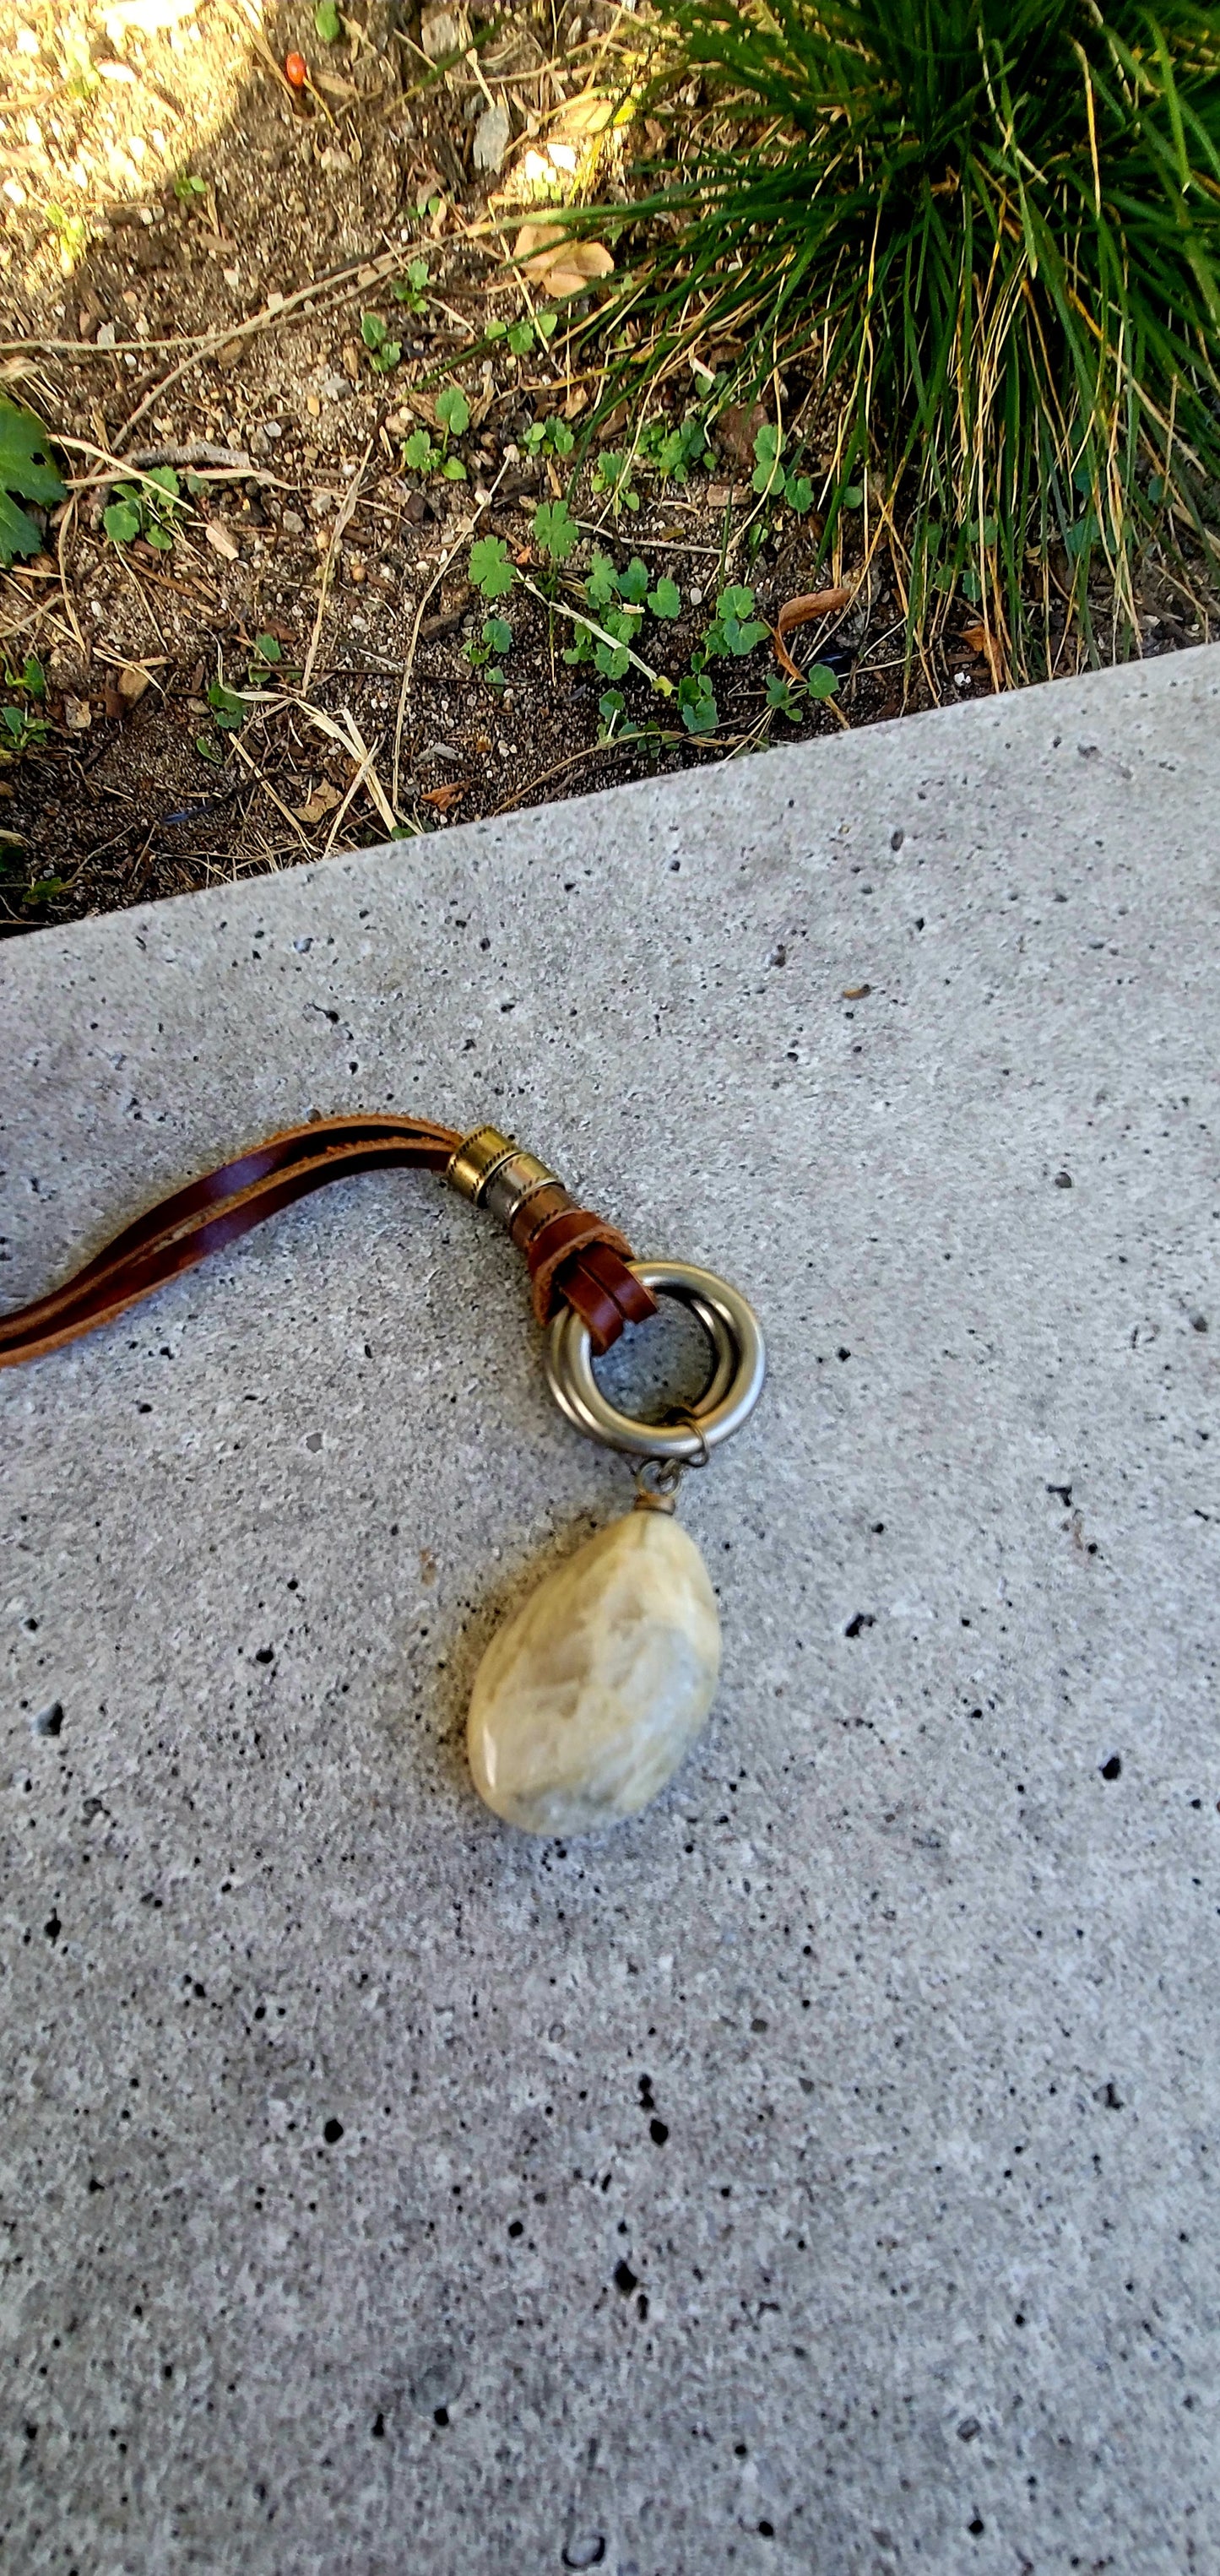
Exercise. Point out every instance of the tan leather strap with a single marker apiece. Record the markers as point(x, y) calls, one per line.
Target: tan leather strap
point(589, 1269)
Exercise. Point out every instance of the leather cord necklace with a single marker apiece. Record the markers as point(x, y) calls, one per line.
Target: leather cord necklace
point(586, 1701)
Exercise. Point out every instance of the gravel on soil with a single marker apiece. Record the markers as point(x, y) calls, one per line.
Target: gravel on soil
point(170, 186)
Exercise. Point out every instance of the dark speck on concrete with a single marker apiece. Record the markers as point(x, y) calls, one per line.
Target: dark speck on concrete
point(585, 2549)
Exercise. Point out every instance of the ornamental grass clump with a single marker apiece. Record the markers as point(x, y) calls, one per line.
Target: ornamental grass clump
point(987, 233)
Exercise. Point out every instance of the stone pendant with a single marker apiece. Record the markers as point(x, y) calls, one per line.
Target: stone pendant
point(586, 1701)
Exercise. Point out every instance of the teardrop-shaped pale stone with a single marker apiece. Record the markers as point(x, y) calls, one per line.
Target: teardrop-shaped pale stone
point(586, 1701)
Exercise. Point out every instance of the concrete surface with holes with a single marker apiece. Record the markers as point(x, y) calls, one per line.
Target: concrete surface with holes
point(817, 2174)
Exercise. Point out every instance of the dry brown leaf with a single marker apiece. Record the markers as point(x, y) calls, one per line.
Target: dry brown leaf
point(800, 612)
point(556, 264)
point(535, 237)
point(444, 797)
point(811, 604)
point(979, 639)
point(131, 683)
point(738, 427)
point(220, 542)
point(323, 801)
point(580, 267)
point(588, 113)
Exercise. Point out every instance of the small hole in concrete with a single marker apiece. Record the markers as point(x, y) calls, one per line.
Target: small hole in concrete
point(656, 1366)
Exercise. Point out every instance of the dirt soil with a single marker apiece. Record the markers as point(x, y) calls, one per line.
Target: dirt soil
point(190, 246)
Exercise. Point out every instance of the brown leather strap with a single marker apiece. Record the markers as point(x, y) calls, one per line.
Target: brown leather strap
point(574, 1254)
point(625, 1299)
point(605, 1298)
point(586, 1265)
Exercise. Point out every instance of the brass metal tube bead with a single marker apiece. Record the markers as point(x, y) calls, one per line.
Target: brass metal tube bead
point(496, 1173)
point(480, 1153)
point(513, 1181)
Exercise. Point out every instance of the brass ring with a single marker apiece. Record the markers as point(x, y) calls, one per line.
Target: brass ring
point(727, 1401)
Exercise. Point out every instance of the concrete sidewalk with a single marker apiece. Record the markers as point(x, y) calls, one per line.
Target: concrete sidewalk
point(818, 2174)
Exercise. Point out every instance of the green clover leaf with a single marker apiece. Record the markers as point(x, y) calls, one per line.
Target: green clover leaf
point(453, 411)
point(555, 530)
point(490, 570)
point(122, 522)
